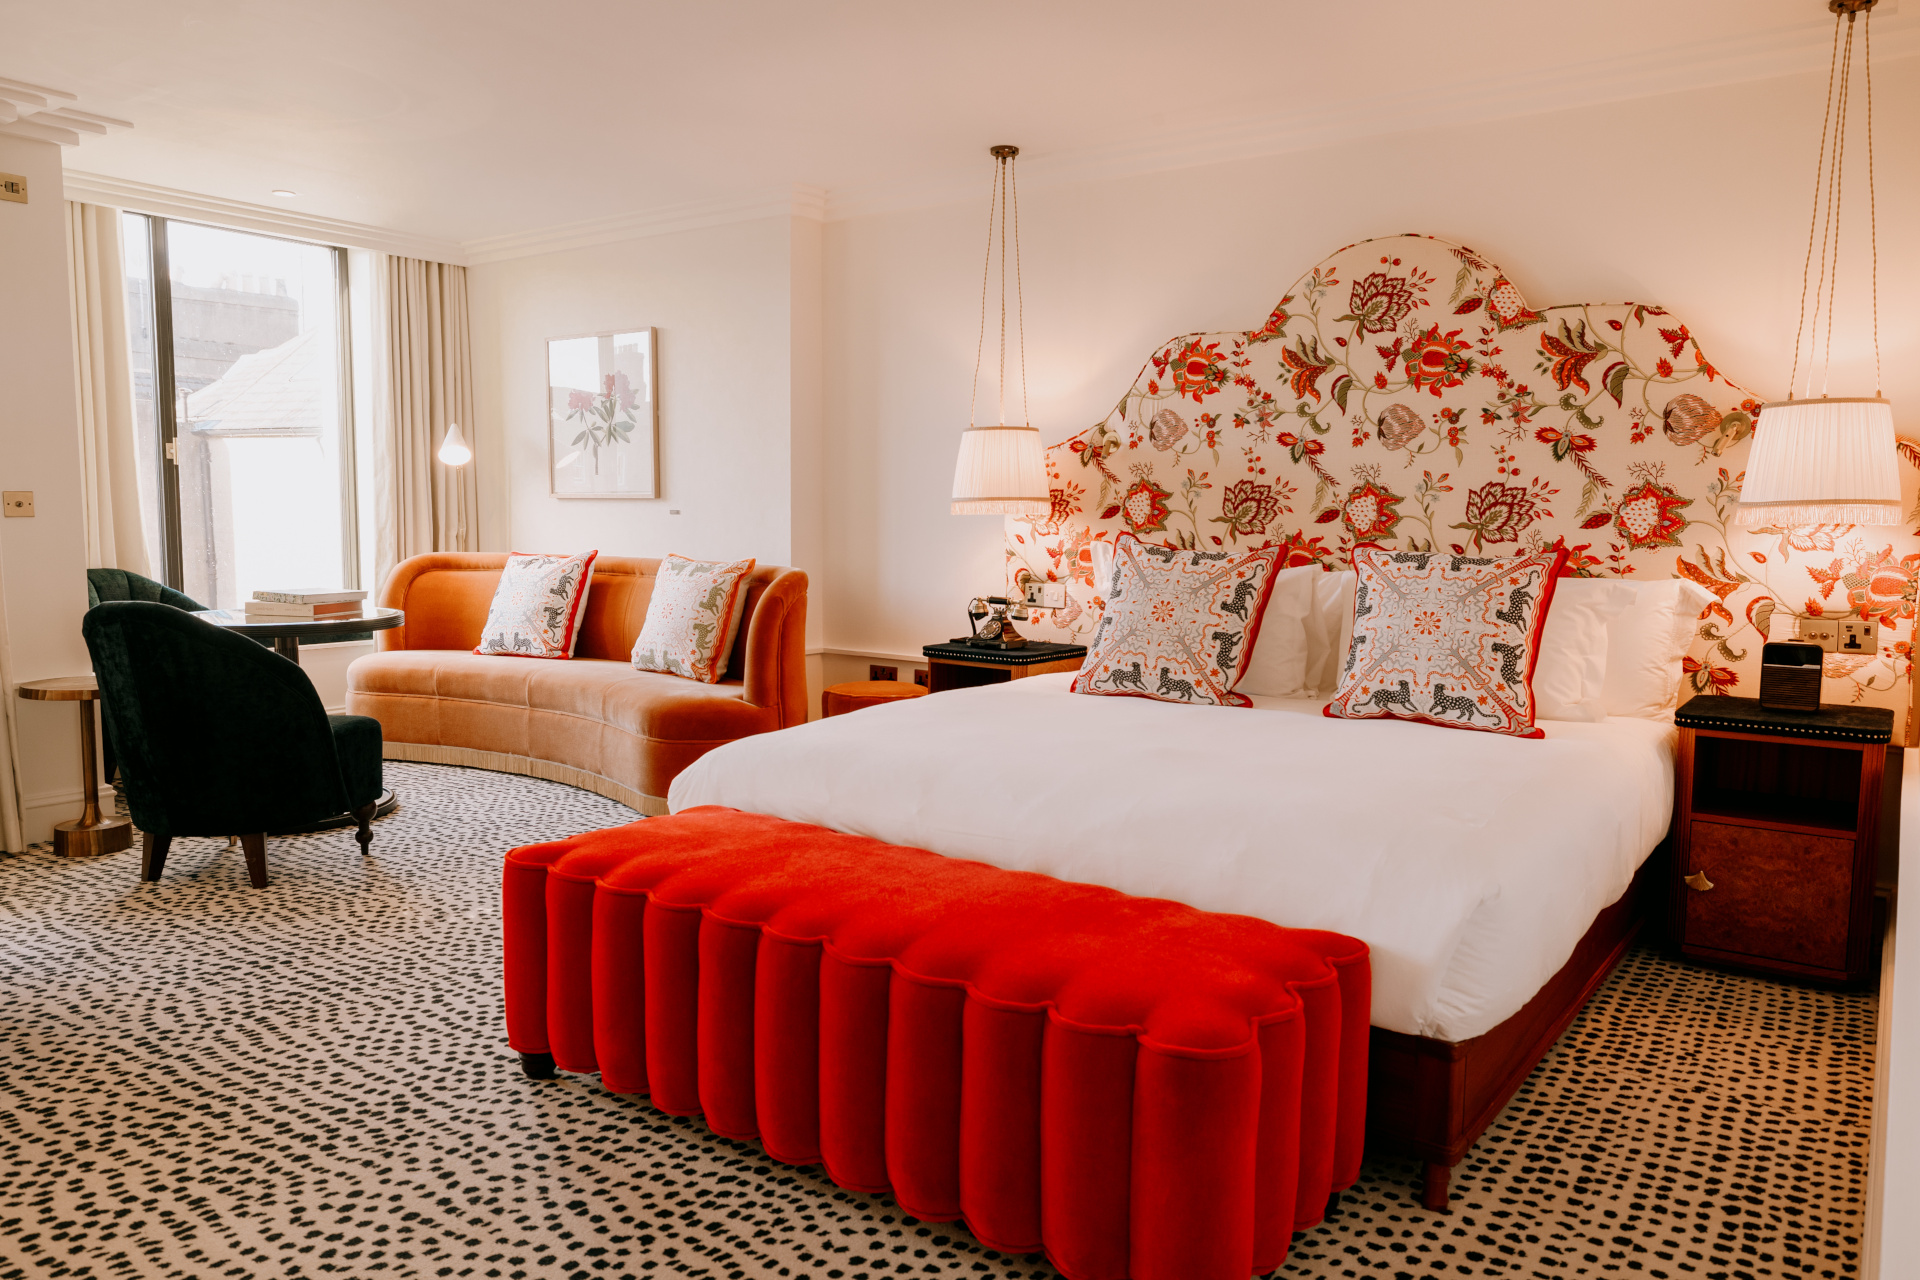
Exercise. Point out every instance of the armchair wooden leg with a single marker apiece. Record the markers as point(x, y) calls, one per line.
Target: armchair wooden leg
point(232, 841)
point(153, 854)
point(364, 816)
point(256, 847)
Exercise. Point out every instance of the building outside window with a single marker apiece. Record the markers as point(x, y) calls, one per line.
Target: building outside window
point(240, 358)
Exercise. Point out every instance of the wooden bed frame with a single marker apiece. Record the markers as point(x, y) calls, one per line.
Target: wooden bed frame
point(1433, 1098)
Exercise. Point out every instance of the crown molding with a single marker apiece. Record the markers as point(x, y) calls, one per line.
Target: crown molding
point(141, 197)
point(779, 202)
point(1653, 73)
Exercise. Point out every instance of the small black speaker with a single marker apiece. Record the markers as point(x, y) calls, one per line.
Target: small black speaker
point(1790, 673)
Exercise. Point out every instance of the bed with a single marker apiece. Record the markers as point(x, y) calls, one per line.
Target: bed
point(1472, 897)
point(1402, 393)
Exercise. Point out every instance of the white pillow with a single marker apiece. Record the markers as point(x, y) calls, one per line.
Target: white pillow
point(1101, 552)
point(1570, 679)
point(1645, 645)
point(1329, 629)
point(1277, 668)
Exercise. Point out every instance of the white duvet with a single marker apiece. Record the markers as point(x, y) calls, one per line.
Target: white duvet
point(1471, 863)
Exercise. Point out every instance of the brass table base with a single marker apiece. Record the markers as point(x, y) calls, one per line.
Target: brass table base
point(91, 832)
point(79, 837)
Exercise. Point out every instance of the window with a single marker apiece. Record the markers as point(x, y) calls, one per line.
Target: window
point(242, 401)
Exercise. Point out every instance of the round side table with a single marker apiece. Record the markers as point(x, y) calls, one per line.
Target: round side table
point(90, 832)
point(838, 699)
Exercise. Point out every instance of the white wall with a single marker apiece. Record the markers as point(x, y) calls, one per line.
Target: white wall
point(43, 559)
point(739, 318)
point(722, 301)
point(1696, 201)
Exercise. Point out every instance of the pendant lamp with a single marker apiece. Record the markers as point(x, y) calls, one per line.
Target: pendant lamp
point(1002, 468)
point(1828, 460)
point(453, 447)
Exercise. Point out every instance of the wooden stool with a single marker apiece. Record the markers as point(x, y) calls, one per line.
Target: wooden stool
point(839, 699)
point(90, 832)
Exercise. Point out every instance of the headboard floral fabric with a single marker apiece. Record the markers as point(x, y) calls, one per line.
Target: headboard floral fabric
point(1403, 392)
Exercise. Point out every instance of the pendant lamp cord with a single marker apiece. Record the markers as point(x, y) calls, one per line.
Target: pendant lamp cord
point(1873, 210)
point(1836, 192)
point(1019, 291)
point(986, 274)
point(1813, 219)
point(1829, 190)
point(1006, 193)
point(1001, 189)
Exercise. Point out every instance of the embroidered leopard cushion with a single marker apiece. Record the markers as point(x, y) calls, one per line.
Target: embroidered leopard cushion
point(692, 617)
point(1447, 639)
point(1179, 625)
point(537, 607)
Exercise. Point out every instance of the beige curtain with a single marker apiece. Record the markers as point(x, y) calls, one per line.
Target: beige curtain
point(109, 484)
point(422, 504)
point(12, 832)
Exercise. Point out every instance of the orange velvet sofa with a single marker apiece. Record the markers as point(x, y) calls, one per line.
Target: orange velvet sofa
point(591, 721)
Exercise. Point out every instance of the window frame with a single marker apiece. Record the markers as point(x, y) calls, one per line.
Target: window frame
point(166, 396)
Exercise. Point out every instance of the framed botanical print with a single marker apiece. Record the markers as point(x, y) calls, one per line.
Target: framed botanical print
point(603, 416)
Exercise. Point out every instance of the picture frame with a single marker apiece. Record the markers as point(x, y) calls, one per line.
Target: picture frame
point(603, 415)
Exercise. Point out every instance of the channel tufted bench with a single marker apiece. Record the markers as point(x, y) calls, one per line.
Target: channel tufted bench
point(1135, 1087)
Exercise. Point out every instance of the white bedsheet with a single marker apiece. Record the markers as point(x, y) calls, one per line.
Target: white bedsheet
point(1470, 862)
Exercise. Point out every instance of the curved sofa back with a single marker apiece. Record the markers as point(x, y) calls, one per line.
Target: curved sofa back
point(446, 594)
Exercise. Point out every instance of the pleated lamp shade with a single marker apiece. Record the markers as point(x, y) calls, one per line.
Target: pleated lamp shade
point(1001, 471)
point(1822, 462)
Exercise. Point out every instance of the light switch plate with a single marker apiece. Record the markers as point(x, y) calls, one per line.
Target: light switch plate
point(1859, 636)
point(1046, 595)
point(13, 186)
point(1824, 632)
point(17, 502)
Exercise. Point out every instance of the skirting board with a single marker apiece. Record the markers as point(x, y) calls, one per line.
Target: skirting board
point(527, 767)
point(39, 813)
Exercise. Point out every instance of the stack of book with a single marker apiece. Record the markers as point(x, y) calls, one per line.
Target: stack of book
point(310, 604)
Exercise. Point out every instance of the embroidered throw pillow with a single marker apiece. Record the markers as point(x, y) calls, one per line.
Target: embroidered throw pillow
point(692, 618)
point(537, 607)
point(1447, 639)
point(1179, 625)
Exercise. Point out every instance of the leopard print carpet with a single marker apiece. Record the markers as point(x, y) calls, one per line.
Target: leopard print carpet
point(204, 1080)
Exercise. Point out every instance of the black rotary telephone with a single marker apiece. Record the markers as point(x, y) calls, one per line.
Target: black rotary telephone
point(997, 631)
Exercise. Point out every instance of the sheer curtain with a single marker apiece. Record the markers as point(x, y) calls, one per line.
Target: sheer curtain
point(425, 381)
point(110, 487)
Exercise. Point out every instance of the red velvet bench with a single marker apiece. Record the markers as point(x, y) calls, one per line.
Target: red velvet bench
point(1136, 1088)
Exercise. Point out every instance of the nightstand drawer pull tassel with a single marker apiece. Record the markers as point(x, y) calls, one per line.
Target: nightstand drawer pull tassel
point(1698, 882)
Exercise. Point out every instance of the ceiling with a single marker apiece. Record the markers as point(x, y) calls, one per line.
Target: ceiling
point(471, 121)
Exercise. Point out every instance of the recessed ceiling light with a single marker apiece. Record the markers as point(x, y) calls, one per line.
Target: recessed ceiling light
point(282, 191)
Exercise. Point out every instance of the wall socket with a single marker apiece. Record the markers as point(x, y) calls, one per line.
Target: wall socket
point(1824, 632)
point(1841, 635)
point(1859, 635)
point(877, 672)
point(920, 676)
point(17, 502)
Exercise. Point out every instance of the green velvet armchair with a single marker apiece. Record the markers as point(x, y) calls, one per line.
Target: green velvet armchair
point(218, 735)
point(119, 584)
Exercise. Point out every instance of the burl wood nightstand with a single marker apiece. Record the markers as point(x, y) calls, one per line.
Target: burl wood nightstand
point(1776, 834)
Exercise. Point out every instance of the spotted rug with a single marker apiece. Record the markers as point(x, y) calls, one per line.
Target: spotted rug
point(200, 1080)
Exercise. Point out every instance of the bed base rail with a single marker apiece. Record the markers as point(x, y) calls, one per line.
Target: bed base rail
point(1433, 1098)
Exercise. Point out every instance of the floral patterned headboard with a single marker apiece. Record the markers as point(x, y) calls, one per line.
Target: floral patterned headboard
point(1403, 392)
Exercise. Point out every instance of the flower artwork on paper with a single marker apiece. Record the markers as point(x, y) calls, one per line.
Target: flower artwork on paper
point(1405, 394)
point(602, 409)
